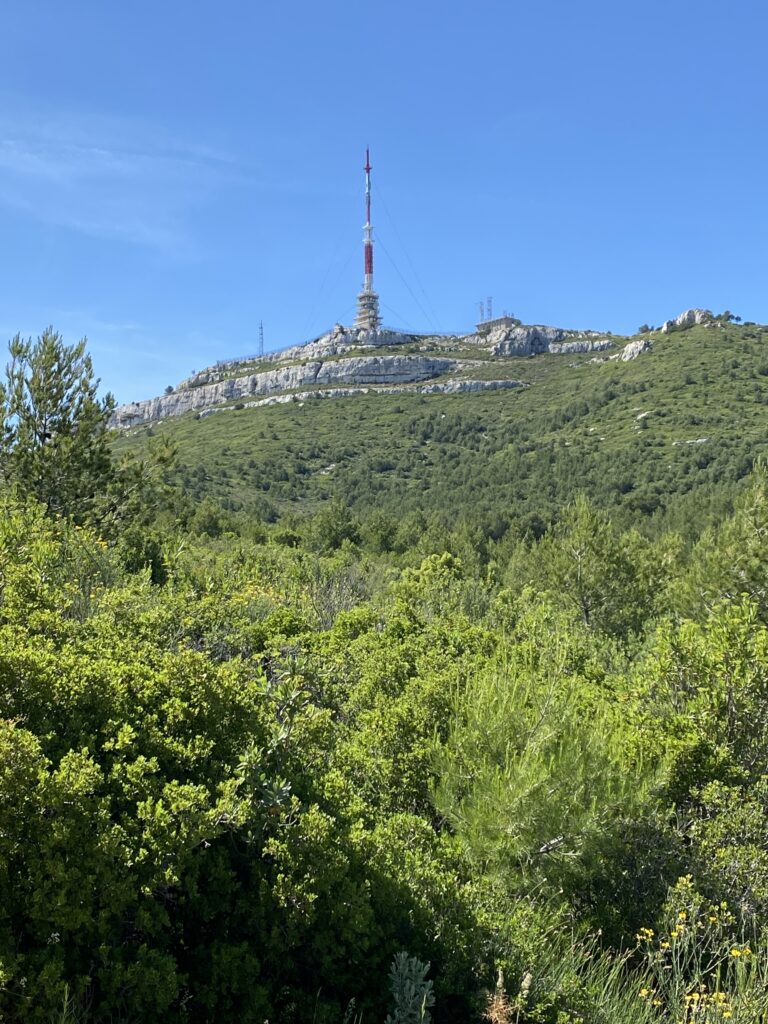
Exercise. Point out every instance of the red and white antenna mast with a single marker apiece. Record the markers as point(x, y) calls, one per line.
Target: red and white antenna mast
point(368, 242)
point(368, 301)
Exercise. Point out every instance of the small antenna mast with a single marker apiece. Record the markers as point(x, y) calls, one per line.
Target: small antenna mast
point(261, 337)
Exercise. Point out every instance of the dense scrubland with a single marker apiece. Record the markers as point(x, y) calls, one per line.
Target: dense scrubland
point(460, 714)
point(659, 442)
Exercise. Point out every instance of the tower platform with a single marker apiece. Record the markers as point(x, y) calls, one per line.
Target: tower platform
point(368, 317)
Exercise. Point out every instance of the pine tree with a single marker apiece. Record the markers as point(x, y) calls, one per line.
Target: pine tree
point(54, 427)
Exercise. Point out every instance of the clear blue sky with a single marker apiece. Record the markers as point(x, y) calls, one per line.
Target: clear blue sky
point(171, 173)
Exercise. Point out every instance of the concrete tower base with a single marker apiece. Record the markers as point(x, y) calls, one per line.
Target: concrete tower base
point(368, 318)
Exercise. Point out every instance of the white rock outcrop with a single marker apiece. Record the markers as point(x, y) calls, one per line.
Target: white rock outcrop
point(336, 342)
point(340, 340)
point(450, 387)
point(528, 341)
point(354, 370)
point(634, 349)
point(688, 318)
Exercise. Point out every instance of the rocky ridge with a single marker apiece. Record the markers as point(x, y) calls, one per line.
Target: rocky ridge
point(372, 370)
point(529, 341)
point(345, 362)
point(688, 318)
point(634, 349)
point(450, 387)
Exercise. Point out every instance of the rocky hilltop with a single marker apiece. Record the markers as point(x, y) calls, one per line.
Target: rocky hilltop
point(346, 361)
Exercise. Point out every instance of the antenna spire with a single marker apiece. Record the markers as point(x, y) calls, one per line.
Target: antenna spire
point(367, 301)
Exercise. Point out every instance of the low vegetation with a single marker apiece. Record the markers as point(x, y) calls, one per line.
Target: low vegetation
point(470, 736)
point(663, 442)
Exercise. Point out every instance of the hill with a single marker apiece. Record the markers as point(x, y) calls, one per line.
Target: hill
point(665, 437)
point(346, 362)
point(429, 751)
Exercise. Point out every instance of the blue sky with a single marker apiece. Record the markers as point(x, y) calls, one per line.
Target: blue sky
point(172, 173)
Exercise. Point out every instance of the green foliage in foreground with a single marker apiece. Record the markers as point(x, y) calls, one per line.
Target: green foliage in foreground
point(53, 428)
point(319, 771)
point(240, 792)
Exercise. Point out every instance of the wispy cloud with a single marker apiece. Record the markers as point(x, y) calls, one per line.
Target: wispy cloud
point(92, 322)
point(108, 178)
point(112, 338)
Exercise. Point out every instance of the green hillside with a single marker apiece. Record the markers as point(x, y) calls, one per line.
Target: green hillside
point(642, 437)
point(456, 754)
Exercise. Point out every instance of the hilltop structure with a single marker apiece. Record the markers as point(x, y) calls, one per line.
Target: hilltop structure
point(368, 318)
point(504, 322)
point(333, 365)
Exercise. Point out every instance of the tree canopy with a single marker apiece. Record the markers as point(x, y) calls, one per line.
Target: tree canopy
point(55, 445)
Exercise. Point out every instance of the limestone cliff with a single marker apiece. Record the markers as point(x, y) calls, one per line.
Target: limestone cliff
point(688, 318)
point(450, 387)
point(528, 341)
point(347, 361)
point(314, 372)
point(337, 342)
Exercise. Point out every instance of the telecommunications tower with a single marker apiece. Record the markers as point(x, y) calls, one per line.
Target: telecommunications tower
point(368, 301)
